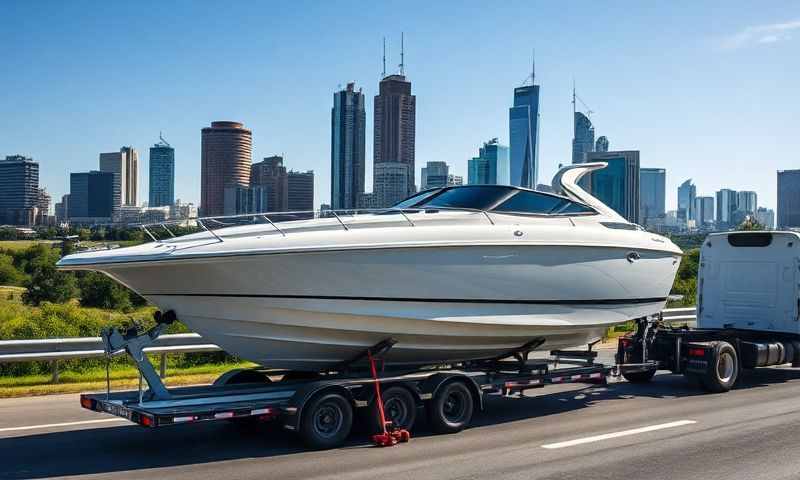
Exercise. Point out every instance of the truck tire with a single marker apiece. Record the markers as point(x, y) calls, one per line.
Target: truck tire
point(639, 377)
point(399, 406)
point(450, 410)
point(326, 421)
point(241, 376)
point(723, 370)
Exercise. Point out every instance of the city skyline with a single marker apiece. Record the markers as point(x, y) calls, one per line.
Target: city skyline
point(648, 110)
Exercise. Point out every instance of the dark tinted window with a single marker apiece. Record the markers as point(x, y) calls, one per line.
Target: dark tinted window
point(534, 202)
point(478, 197)
point(750, 239)
point(415, 199)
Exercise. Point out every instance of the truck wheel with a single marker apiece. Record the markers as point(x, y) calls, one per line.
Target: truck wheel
point(450, 410)
point(724, 369)
point(399, 406)
point(639, 377)
point(241, 376)
point(326, 421)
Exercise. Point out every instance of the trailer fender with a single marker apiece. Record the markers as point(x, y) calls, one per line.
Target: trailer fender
point(294, 407)
point(432, 384)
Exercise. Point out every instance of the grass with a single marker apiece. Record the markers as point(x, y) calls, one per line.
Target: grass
point(22, 244)
point(122, 378)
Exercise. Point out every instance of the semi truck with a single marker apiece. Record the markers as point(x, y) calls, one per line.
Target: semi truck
point(748, 315)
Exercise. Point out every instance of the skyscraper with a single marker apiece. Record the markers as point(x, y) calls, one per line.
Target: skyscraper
point(226, 156)
point(583, 137)
point(687, 193)
point(162, 174)
point(788, 198)
point(726, 206)
point(652, 186)
point(601, 145)
point(124, 163)
point(391, 184)
point(19, 190)
point(523, 133)
point(747, 202)
point(703, 211)
point(491, 166)
point(94, 197)
point(617, 185)
point(394, 133)
point(62, 209)
point(348, 127)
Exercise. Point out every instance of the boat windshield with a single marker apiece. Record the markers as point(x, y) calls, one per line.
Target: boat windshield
point(499, 198)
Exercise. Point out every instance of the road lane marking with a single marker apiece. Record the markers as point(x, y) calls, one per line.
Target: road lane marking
point(623, 433)
point(65, 424)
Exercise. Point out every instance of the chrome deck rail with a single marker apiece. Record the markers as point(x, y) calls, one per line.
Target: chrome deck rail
point(213, 224)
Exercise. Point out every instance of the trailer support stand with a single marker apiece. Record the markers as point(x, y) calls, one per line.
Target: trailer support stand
point(134, 344)
point(390, 435)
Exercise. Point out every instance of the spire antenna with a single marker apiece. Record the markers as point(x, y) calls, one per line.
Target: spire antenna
point(402, 52)
point(533, 68)
point(383, 74)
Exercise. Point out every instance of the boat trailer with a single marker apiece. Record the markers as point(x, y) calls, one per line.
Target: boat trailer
point(321, 406)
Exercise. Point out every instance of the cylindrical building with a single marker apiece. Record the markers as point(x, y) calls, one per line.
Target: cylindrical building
point(226, 153)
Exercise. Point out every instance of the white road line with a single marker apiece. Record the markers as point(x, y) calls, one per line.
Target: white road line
point(624, 433)
point(65, 424)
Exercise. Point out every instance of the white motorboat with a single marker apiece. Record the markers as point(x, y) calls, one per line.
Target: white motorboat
point(451, 274)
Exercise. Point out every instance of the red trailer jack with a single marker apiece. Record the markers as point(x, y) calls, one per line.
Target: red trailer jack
point(391, 435)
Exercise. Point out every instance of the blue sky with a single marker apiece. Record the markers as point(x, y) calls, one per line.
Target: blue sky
point(707, 90)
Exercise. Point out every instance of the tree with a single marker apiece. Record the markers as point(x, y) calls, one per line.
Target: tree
point(750, 224)
point(99, 291)
point(9, 275)
point(49, 285)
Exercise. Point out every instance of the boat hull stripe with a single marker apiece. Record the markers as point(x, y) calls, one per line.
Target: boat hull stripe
point(604, 301)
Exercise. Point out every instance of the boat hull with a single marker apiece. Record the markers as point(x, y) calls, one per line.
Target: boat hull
point(314, 310)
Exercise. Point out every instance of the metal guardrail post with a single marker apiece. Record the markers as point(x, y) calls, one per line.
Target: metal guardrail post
point(162, 365)
point(54, 369)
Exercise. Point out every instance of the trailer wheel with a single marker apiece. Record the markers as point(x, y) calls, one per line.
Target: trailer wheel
point(639, 377)
point(242, 375)
point(724, 369)
point(326, 421)
point(399, 406)
point(450, 410)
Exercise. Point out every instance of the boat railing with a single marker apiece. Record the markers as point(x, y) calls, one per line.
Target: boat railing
point(212, 224)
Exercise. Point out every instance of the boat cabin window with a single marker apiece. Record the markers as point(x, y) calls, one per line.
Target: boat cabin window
point(478, 197)
point(415, 199)
point(526, 201)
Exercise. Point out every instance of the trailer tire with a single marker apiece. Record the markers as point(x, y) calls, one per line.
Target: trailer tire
point(400, 408)
point(326, 421)
point(451, 408)
point(724, 369)
point(639, 377)
point(242, 375)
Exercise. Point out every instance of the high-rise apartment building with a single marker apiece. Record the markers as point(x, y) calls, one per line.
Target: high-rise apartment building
point(788, 198)
point(394, 134)
point(652, 187)
point(492, 166)
point(583, 137)
point(348, 147)
point(124, 163)
point(94, 197)
point(300, 191)
point(704, 212)
point(617, 185)
point(726, 207)
point(226, 155)
point(687, 192)
point(162, 174)
point(747, 202)
point(19, 190)
point(62, 209)
point(523, 132)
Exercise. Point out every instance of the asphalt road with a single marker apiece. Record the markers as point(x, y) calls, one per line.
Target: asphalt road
point(663, 430)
